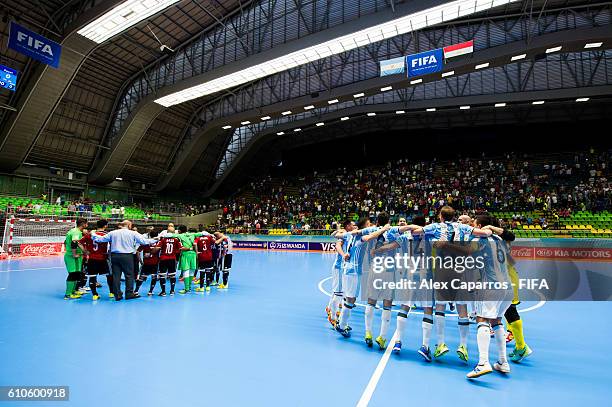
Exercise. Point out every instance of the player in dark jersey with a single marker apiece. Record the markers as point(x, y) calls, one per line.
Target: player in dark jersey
point(97, 262)
point(225, 257)
point(170, 247)
point(204, 249)
point(150, 263)
point(216, 251)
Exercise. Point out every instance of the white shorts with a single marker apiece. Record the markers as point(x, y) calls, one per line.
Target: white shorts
point(491, 309)
point(336, 278)
point(351, 284)
point(379, 280)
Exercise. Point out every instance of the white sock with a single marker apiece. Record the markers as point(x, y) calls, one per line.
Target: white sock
point(440, 325)
point(483, 338)
point(369, 317)
point(500, 340)
point(345, 315)
point(335, 301)
point(401, 324)
point(427, 325)
point(384, 322)
point(464, 328)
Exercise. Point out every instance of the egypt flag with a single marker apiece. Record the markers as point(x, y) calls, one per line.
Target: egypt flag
point(459, 49)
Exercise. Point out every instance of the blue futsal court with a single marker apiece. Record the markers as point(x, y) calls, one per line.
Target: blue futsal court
point(266, 341)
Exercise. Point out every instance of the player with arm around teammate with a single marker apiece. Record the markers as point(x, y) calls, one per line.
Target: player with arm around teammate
point(335, 299)
point(491, 304)
point(150, 263)
point(351, 268)
point(436, 235)
point(204, 250)
point(97, 261)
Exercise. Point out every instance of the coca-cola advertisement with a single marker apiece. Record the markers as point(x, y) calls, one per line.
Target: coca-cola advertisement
point(40, 249)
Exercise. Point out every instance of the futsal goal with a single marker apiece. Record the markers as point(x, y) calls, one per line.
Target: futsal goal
point(31, 236)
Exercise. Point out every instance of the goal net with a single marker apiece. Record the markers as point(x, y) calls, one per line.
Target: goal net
point(34, 236)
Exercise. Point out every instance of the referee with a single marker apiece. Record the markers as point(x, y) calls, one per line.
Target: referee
point(123, 240)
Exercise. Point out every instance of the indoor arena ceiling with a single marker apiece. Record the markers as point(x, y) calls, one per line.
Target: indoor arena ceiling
point(76, 133)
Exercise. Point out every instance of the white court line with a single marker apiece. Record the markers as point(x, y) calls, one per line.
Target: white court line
point(40, 268)
point(380, 368)
point(532, 308)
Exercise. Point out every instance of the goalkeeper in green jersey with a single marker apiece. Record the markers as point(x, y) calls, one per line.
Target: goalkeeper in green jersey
point(188, 262)
point(73, 258)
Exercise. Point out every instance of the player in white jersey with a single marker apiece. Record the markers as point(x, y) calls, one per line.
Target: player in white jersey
point(335, 300)
point(446, 231)
point(492, 302)
point(351, 268)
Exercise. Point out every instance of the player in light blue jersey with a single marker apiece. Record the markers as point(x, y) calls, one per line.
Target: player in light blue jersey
point(384, 294)
point(351, 268)
point(492, 303)
point(446, 231)
point(335, 300)
point(414, 245)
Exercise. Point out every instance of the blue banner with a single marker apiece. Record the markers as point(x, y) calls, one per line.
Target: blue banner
point(8, 78)
point(34, 45)
point(425, 63)
point(392, 66)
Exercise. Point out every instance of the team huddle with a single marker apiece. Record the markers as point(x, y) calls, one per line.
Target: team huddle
point(201, 259)
point(358, 246)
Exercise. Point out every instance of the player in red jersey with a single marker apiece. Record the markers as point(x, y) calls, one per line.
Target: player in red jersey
point(97, 263)
point(170, 248)
point(150, 263)
point(204, 250)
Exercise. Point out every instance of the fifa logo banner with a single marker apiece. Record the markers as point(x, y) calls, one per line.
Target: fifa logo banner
point(392, 66)
point(425, 63)
point(34, 45)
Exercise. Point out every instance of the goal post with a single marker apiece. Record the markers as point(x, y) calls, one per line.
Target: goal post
point(35, 236)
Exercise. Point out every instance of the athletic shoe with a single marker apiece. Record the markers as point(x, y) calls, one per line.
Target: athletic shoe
point(86, 288)
point(344, 332)
point(368, 339)
point(171, 292)
point(518, 355)
point(207, 289)
point(196, 281)
point(80, 292)
point(162, 294)
point(150, 293)
point(183, 292)
point(72, 297)
point(462, 352)
point(222, 286)
point(480, 370)
point(509, 336)
point(502, 367)
point(397, 348)
point(95, 297)
point(111, 295)
point(199, 289)
point(441, 350)
point(382, 342)
point(425, 353)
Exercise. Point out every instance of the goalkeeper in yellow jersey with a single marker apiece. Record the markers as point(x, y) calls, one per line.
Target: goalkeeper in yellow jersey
point(515, 323)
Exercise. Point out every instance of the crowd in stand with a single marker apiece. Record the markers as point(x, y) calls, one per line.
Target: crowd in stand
point(556, 185)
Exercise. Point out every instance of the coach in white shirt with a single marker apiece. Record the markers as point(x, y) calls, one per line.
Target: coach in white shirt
point(123, 240)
